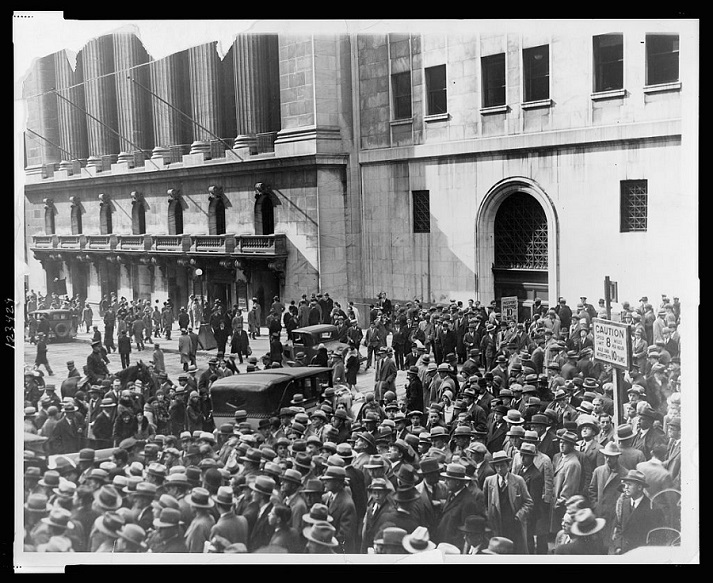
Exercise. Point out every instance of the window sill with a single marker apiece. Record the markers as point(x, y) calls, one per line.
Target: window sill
point(436, 117)
point(401, 122)
point(661, 87)
point(537, 104)
point(494, 109)
point(611, 94)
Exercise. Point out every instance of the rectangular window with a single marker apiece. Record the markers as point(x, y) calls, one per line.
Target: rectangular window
point(493, 80)
point(436, 90)
point(661, 58)
point(536, 63)
point(608, 62)
point(634, 205)
point(421, 211)
point(401, 89)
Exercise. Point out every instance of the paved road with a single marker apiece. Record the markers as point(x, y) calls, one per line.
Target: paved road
point(58, 353)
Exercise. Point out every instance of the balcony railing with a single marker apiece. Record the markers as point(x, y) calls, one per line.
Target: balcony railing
point(226, 244)
point(262, 244)
point(213, 243)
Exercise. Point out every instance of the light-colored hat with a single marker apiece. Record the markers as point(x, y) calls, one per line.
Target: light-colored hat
point(418, 541)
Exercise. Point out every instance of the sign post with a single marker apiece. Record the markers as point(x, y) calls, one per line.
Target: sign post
point(612, 345)
point(508, 309)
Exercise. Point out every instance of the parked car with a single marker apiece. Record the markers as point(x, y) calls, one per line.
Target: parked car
point(309, 338)
point(263, 393)
point(61, 324)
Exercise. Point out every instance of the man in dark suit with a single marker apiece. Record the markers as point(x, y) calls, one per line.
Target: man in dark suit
point(433, 492)
point(604, 488)
point(229, 525)
point(459, 504)
point(535, 482)
point(378, 509)
point(634, 516)
point(673, 452)
point(260, 530)
point(385, 376)
point(290, 483)
point(648, 435)
point(341, 508)
point(480, 457)
point(497, 429)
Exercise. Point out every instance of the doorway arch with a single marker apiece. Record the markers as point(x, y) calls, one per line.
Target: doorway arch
point(265, 214)
point(485, 236)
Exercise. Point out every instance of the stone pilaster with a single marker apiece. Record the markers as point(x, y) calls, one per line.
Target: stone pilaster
point(100, 96)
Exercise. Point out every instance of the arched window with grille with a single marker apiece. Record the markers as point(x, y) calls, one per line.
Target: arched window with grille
point(50, 212)
point(76, 219)
point(216, 216)
point(105, 223)
point(138, 218)
point(175, 217)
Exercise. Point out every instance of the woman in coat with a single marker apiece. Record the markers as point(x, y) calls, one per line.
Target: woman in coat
point(351, 367)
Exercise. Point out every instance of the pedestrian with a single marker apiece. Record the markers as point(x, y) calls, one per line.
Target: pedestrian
point(109, 323)
point(87, 316)
point(185, 349)
point(198, 531)
point(341, 508)
point(124, 346)
point(41, 357)
point(254, 320)
point(635, 517)
point(460, 503)
point(168, 536)
point(567, 477)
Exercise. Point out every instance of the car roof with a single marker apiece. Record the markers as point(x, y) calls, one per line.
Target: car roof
point(268, 377)
point(55, 311)
point(316, 328)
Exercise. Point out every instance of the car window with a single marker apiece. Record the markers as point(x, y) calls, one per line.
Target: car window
point(326, 335)
point(302, 338)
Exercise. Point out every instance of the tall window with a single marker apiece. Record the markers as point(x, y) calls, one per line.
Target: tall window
point(661, 58)
point(105, 226)
point(634, 205)
point(175, 217)
point(216, 219)
point(608, 62)
point(536, 64)
point(436, 90)
point(76, 220)
point(49, 219)
point(401, 89)
point(493, 67)
point(421, 211)
point(138, 219)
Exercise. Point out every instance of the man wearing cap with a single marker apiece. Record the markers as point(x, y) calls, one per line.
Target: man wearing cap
point(635, 517)
point(459, 503)
point(567, 477)
point(508, 502)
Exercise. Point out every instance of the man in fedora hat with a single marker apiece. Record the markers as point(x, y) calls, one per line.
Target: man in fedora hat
point(605, 487)
point(231, 526)
point(341, 508)
point(292, 497)
point(635, 517)
point(508, 501)
point(567, 477)
point(389, 541)
point(588, 447)
point(405, 513)
point(497, 429)
point(285, 536)
point(378, 509)
point(630, 455)
point(260, 531)
point(476, 533)
point(67, 434)
point(459, 503)
point(586, 534)
point(432, 491)
point(320, 538)
point(648, 434)
point(418, 541)
point(168, 537)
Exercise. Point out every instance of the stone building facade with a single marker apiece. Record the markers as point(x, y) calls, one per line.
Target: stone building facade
point(425, 165)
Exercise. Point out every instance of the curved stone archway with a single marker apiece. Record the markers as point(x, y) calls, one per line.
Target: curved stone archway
point(485, 235)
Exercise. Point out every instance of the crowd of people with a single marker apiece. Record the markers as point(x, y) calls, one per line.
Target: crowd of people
point(507, 438)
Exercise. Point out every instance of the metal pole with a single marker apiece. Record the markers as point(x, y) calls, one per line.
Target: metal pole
point(194, 122)
point(107, 127)
point(607, 296)
point(615, 396)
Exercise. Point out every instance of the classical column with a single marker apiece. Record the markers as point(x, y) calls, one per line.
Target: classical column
point(133, 106)
point(100, 97)
point(41, 105)
point(168, 82)
point(206, 93)
point(72, 121)
point(256, 87)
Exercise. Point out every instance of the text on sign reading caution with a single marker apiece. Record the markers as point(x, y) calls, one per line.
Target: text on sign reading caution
point(610, 343)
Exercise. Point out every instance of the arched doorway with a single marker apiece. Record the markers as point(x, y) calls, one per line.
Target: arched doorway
point(517, 243)
point(265, 214)
point(217, 217)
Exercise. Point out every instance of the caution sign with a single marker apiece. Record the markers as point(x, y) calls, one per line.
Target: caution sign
point(508, 309)
point(612, 343)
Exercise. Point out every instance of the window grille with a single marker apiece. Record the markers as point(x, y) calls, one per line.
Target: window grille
point(421, 211)
point(634, 205)
point(521, 237)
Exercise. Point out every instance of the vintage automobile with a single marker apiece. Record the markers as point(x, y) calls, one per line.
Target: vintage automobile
point(263, 393)
point(309, 338)
point(61, 326)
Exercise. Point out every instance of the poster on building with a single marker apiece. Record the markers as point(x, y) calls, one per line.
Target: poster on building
point(508, 308)
point(612, 343)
